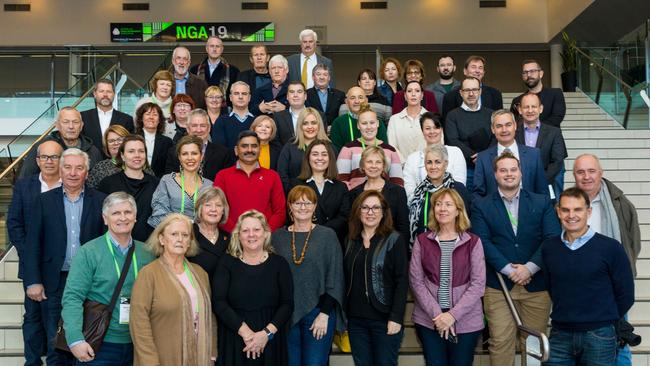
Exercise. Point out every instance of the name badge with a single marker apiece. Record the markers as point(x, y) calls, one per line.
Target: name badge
point(125, 310)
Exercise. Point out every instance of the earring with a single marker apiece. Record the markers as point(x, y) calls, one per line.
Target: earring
point(313, 218)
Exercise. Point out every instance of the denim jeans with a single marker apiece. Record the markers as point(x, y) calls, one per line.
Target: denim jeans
point(371, 346)
point(112, 354)
point(440, 352)
point(624, 355)
point(594, 348)
point(304, 349)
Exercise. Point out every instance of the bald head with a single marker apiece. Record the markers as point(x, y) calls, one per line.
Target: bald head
point(588, 174)
point(354, 98)
point(48, 155)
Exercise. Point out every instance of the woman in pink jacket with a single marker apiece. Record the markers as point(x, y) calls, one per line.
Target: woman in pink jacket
point(447, 277)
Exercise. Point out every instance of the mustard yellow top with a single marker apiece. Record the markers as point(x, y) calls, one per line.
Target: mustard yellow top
point(265, 156)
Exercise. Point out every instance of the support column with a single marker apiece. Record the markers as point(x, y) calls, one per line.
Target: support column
point(556, 65)
point(75, 68)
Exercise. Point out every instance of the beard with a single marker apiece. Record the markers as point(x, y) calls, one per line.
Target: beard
point(531, 83)
point(446, 76)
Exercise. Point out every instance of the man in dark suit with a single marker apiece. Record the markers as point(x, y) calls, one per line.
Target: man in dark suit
point(512, 223)
point(286, 120)
point(215, 155)
point(258, 75)
point(532, 169)
point(215, 69)
point(272, 98)
point(97, 120)
point(302, 64)
point(61, 221)
point(551, 98)
point(186, 82)
point(322, 97)
point(548, 139)
point(490, 97)
point(26, 191)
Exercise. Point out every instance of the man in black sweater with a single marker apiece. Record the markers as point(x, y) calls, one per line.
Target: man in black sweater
point(591, 285)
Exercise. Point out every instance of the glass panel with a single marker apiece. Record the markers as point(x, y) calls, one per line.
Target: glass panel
point(6, 188)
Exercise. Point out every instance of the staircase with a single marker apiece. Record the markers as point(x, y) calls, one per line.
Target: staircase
point(624, 154)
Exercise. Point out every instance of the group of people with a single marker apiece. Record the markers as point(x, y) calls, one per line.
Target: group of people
point(261, 212)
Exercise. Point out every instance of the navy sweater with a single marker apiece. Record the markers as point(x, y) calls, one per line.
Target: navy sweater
point(590, 287)
point(226, 130)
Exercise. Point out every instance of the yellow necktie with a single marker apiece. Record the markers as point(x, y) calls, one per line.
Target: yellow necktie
point(303, 75)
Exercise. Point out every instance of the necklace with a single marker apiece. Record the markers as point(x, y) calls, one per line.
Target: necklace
point(259, 261)
point(210, 236)
point(304, 248)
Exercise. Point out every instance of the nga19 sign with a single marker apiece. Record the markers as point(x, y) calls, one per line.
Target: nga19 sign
point(192, 32)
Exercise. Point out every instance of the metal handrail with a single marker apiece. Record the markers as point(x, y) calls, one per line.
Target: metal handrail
point(22, 156)
point(543, 354)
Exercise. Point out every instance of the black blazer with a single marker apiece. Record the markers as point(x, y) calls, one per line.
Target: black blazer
point(216, 157)
point(195, 88)
point(553, 102)
point(551, 147)
point(284, 126)
point(274, 149)
point(92, 130)
point(335, 98)
point(249, 76)
point(333, 206)
point(265, 94)
point(161, 146)
point(26, 190)
point(209, 254)
point(490, 98)
point(396, 197)
point(45, 246)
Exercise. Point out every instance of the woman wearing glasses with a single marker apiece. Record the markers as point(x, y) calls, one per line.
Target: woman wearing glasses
point(315, 258)
point(214, 103)
point(177, 192)
point(113, 138)
point(375, 264)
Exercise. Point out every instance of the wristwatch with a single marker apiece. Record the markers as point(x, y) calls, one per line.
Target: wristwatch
point(268, 333)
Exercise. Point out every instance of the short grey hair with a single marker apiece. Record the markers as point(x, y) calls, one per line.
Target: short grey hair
point(116, 198)
point(242, 83)
point(189, 54)
point(439, 150)
point(308, 32)
point(281, 59)
point(500, 112)
point(73, 151)
point(199, 112)
point(320, 67)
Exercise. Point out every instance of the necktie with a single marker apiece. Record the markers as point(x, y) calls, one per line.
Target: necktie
point(303, 75)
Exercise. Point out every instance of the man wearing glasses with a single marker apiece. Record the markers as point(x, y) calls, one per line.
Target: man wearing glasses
point(552, 98)
point(25, 191)
point(68, 134)
point(468, 126)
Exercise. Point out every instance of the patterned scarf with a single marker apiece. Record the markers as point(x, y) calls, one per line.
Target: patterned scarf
point(416, 206)
point(225, 79)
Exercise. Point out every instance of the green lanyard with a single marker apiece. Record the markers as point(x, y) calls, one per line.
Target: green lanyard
point(426, 210)
point(117, 267)
point(183, 194)
point(512, 218)
point(363, 144)
point(188, 273)
point(350, 125)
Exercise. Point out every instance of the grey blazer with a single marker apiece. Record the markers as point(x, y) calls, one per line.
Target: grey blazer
point(295, 69)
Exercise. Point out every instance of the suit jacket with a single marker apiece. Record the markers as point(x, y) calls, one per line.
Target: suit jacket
point(94, 132)
point(161, 146)
point(284, 126)
point(490, 98)
point(216, 157)
point(274, 150)
point(554, 106)
point(551, 147)
point(25, 192)
point(295, 68)
point(536, 222)
point(195, 88)
point(335, 98)
point(45, 246)
point(532, 171)
point(265, 94)
point(249, 76)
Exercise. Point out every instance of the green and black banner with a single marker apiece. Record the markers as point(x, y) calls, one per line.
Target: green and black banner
point(192, 32)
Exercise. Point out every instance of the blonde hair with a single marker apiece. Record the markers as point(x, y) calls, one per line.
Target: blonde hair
point(259, 119)
point(300, 137)
point(207, 195)
point(374, 150)
point(462, 220)
point(154, 245)
point(235, 248)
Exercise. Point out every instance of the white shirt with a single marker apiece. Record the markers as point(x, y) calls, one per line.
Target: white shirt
point(467, 108)
point(294, 119)
point(149, 140)
point(514, 149)
point(45, 187)
point(596, 214)
point(404, 133)
point(104, 119)
point(311, 63)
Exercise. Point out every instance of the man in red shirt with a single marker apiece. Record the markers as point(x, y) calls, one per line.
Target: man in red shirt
point(249, 186)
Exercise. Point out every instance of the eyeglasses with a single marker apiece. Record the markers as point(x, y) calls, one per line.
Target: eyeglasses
point(183, 106)
point(302, 204)
point(369, 209)
point(471, 91)
point(530, 72)
point(115, 141)
point(214, 97)
point(49, 157)
point(413, 73)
